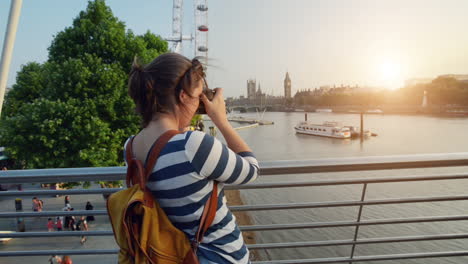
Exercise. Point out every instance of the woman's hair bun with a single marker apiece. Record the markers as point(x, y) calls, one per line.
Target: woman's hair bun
point(155, 87)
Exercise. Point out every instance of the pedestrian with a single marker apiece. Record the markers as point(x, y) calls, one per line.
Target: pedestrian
point(167, 93)
point(72, 222)
point(67, 201)
point(82, 225)
point(66, 260)
point(59, 224)
point(50, 225)
point(89, 206)
point(35, 204)
point(59, 260)
point(40, 205)
point(66, 221)
point(201, 126)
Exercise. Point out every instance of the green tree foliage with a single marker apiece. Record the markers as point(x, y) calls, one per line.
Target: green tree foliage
point(195, 120)
point(30, 82)
point(73, 110)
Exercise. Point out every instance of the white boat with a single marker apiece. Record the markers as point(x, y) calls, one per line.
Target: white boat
point(323, 110)
point(327, 129)
point(374, 111)
point(356, 132)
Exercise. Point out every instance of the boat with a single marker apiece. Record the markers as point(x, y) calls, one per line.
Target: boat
point(327, 129)
point(374, 111)
point(356, 132)
point(457, 112)
point(323, 110)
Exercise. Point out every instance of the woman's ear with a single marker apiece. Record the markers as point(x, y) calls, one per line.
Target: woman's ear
point(183, 96)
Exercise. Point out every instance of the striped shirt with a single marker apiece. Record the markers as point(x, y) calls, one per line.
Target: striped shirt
point(182, 182)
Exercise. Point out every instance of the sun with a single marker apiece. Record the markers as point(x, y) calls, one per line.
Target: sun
point(390, 74)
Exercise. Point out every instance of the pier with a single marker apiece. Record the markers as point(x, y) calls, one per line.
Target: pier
point(243, 120)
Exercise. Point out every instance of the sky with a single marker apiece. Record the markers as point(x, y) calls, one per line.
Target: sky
point(329, 42)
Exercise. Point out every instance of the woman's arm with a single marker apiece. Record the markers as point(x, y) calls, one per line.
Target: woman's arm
point(216, 110)
point(213, 160)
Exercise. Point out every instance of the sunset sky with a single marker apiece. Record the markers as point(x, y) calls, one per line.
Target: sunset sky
point(363, 42)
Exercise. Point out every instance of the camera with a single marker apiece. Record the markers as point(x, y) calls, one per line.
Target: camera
point(201, 107)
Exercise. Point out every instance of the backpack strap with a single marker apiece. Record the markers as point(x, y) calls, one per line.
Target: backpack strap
point(207, 218)
point(156, 149)
point(151, 161)
point(132, 165)
point(136, 172)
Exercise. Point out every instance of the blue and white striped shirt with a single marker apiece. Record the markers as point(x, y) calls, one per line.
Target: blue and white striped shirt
point(182, 181)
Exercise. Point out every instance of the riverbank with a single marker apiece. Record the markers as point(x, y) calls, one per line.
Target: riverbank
point(430, 110)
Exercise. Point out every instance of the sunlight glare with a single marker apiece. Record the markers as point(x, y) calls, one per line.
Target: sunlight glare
point(390, 74)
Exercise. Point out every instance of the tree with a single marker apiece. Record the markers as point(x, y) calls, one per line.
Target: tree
point(30, 81)
point(73, 110)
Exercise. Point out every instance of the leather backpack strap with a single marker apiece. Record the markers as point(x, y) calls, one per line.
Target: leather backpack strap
point(156, 149)
point(208, 215)
point(151, 161)
point(132, 162)
point(143, 172)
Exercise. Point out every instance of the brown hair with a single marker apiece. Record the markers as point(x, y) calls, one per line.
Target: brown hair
point(66, 260)
point(156, 86)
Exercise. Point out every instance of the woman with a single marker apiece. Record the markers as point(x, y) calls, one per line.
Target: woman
point(167, 93)
point(67, 201)
point(35, 204)
point(59, 260)
point(72, 221)
point(82, 225)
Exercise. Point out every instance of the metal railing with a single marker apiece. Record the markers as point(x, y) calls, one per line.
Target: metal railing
point(268, 169)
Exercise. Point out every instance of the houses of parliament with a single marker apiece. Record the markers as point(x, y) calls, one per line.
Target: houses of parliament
point(255, 95)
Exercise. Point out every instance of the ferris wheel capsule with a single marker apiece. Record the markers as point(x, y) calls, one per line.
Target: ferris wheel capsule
point(203, 28)
point(202, 7)
point(202, 49)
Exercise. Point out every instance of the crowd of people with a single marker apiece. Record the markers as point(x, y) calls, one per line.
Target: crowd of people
point(68, 222)
point(60, 260)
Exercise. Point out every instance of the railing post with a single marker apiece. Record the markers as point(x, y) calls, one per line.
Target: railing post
point(356, 232)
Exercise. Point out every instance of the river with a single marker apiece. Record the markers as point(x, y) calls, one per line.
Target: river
point(396, 135)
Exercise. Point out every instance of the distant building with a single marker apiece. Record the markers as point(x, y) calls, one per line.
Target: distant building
point(415, 81)
point(251, 89)
point(287, 86)
point(458, 77)
point(260, 97)
point(259, 91)
point(343, 89)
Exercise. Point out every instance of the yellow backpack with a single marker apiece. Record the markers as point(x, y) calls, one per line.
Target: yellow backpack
point(141, 228)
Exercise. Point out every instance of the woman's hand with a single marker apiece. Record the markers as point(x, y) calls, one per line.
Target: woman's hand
point(216, 108)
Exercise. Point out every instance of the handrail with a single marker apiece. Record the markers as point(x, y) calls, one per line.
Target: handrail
point(268, 169)
point(269, 185)
point(273, 226)
point(368, 258)
point(241, 208)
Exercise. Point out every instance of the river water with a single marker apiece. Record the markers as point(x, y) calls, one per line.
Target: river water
point(396, 135)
